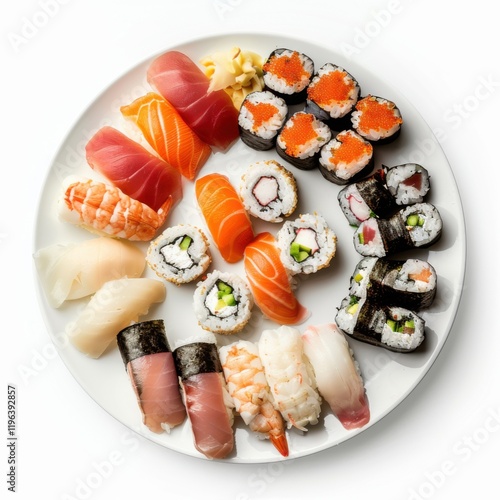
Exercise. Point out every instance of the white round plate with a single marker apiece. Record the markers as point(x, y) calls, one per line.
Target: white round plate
point(389, 377)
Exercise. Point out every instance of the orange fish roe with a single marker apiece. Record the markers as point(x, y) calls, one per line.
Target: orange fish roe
point(331, 87)
point(352, 148)
point(299, 133)
point(289, 68)
point(262, 112)
point(377, 115)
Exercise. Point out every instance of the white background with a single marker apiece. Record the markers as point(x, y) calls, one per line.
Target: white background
point(443, 440)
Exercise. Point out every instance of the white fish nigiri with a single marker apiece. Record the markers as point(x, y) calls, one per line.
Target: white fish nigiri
point(113, 307)
point(290, 376)
point(75, 270)
point(247, 385)
point(337, 374)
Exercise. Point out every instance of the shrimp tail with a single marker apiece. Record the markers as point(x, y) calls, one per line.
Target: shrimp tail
point(280, 443)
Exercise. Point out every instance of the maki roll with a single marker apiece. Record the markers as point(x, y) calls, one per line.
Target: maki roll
point(287, 73)
point(377, 119)
point(262, 114)
point(180, 254)
point(269, 191)
point(208, 404)
point(415, 226)
point(306, 244)
point(407, 283)
point(394, 328)
point(150, 365)
point(408, 183)
point(346, 158)
point(331, 96)
point(223, 303)
point(367, 198)
point(301, 140)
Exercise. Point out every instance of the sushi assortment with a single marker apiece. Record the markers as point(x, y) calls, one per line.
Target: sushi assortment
point(281, 381)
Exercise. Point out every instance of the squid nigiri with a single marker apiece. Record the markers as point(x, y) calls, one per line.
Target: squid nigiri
point(290, 377)
point(208, 404)
point(337, 375)
point(150, 365)
point(211, 115)
point(247, 385)
point(105, 209)
point(135, 171)
point(270, 282)
point(168, 134)
point(225, 215)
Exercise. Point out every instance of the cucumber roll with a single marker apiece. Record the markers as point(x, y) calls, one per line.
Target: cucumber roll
point(306, 244)
point(407, 283)
point(287, 73)
point(346, 158)
point(331, 96)
point(301, 140)
point(367, 198)
point(180, 254)
point(416, 226)
point(269, 191)
point(394, 328)
point(223, 303)
point(261, 117)
point(376, 119)
point(408, 183)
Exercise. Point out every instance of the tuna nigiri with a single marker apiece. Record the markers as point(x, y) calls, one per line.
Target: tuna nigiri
point(209, 406)
point(211, 115)
point(337, 375)
point(224, 213)
point(168, 134)
point(270, 282)
point(133, 169)
point(150, 365)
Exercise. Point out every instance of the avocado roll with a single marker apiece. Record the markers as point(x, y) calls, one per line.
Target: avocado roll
point(301, 140)
point(261, 117)
point(269, 191)
point(415, 226)
point(287, 73)
point(346, 158)
point(223, 303)
point(408, 183)
point(331, 96)
point(407, 283)
point(377, 119)
point(150, 365)
point(391, 327)
point(306, 244)
point(180, 254)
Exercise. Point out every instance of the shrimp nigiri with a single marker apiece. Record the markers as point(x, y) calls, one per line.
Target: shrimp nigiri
point(105, 209)
point(247, 385)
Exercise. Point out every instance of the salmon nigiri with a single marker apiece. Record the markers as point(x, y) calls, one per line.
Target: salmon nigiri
point(270, 283)
point(168, 134)
point(226, 217)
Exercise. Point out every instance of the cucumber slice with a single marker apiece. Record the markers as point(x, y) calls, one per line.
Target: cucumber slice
point(412, 220)
point(224, 287)
point(186, 241)
point(229, 299)
point(392, 325)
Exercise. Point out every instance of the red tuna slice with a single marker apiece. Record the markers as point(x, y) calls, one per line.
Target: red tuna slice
point(156, 386)
point(211, 115)
point(134, 170)
point(212, 430)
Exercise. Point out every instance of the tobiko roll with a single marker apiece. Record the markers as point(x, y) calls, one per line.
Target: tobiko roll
point(377, 119)
point(261, 117)
point(287, 73)
point(408, 183)
point(346, 158)
point(150, 365)
point(180, 254)
point(301, 140)
point(392, 327)
point(331, 96)
point(269, 191)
